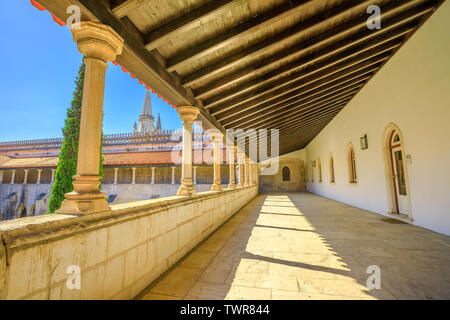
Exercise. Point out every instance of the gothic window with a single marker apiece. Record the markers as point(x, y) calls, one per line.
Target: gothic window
point(286, 174)
point(352, 165)
point(331, 169)
point(319, 169)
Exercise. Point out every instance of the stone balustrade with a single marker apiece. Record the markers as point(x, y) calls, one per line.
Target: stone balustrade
point(118, 252)
point(160, 136)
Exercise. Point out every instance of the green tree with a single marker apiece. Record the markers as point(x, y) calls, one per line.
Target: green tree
point(67, 163)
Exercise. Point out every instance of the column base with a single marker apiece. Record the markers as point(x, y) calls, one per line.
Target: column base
point(232, 186)
point(184, 190)
point(216, 187)
point(82, 204)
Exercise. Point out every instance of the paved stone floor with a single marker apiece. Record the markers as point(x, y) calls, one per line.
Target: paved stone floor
point(302, 246)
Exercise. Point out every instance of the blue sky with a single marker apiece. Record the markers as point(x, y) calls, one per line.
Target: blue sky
point(40, 63)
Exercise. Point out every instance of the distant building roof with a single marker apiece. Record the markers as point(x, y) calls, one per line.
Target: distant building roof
point(112, 159)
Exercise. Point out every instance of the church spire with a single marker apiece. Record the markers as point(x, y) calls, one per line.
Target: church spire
point(158, 122)
point(146, 118)
point(147, 108)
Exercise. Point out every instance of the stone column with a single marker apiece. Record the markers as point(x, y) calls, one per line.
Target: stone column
point(53, 176)
point(173, 175)
point(246, 174)
point(250, 173)
point(217, 139)
point(99, 44)
point(254, 174)
point(13, 175)
point(195, 176)
point(116, 170)
point(232, 182)
point(188, 114)
point(25, 178)
point(241, 156)
point(133, 179)
point(39, 176)
point(153, 175)
point(1, 176)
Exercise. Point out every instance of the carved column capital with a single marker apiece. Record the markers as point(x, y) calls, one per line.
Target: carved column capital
point(188, 113)
point(98, 41)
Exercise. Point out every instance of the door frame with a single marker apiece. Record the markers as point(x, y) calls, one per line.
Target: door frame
point(391, 186)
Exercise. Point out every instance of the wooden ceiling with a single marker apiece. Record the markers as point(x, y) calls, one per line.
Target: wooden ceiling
point(290, 65)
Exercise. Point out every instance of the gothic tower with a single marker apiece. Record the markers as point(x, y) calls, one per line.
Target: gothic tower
point(158, 123)
point(146, 119)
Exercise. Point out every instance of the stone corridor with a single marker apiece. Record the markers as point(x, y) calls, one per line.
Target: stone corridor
point(303, 246)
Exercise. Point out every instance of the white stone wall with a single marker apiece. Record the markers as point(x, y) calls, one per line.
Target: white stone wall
point(119, 252)
point(411, 91)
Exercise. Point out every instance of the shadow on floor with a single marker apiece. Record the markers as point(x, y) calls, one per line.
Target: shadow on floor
point(303, 246)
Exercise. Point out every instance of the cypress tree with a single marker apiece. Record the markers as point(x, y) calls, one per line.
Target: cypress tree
point(67, 162)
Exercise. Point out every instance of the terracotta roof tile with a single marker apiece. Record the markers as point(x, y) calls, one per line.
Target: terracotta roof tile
point(122, 158)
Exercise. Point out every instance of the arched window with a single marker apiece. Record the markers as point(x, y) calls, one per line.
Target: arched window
point(286, 174)
point(352, 164)
point(319, 169)
point(331, 168)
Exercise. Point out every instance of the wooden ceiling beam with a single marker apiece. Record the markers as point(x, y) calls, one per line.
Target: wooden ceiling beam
point(308, 120)
point(339, 70)
point(260, 47)
point(308, 129)
point(295, 50)
point(246, 28)
point(306, 115)
point(319, 93)
point(303, 140)
point(299, 95)
point(313, 115)
point(291, 109)
point(188, 21)
point(308, 112)
point(284, 92)
point(344, 50)
point(310, 123)
point(123, 8)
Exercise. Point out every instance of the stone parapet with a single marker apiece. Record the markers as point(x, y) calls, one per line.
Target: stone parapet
point(118, 252)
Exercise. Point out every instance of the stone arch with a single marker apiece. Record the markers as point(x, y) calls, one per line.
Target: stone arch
point(390, 129)
point(286, 174)
point(21, 211)
point(331, 164)
point(319, 170)
point(352, 164)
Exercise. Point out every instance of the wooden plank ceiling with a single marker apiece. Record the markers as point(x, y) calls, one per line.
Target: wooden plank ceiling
point(290, 65)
